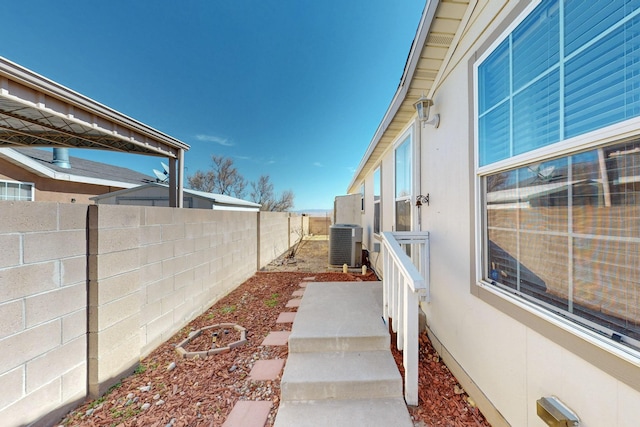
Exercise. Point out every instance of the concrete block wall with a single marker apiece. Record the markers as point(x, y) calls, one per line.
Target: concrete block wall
point(319, 226)
point(275, 236)
point(152, 271)
point(87, 291)
point(43, 318)
point(296, 229)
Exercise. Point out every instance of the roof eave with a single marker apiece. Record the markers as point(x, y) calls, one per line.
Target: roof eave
point(426, 21)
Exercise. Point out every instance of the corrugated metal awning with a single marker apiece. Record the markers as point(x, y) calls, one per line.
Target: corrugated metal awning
point(38, 112)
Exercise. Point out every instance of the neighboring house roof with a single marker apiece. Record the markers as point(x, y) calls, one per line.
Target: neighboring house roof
point(432, 53)
point(40, 162)
point(220, 200)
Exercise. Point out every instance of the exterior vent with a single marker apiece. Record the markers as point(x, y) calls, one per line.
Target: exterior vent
point(440, 39)
point(345, 245)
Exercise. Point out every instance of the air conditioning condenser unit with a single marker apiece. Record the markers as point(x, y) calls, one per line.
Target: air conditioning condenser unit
point(345, 245)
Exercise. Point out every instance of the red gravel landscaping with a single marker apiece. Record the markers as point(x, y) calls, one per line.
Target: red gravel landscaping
point(168, 390)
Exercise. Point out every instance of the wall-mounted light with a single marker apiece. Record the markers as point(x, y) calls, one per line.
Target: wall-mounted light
point(420, 200)
point(555, 413)
point(422, 106)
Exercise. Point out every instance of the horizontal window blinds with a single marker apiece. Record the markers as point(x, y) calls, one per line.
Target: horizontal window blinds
point(568, 68)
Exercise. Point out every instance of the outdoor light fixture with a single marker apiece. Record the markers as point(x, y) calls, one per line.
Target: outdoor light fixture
point(555, 414)
point(422, 106)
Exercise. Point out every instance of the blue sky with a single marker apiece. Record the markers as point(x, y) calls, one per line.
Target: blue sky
point(290, 88)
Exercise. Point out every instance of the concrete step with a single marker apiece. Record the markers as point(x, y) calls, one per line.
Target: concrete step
point(340, 375)
point(340, 316)
point(344, 413)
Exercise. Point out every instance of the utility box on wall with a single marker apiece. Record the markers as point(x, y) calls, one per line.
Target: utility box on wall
point(345, 245)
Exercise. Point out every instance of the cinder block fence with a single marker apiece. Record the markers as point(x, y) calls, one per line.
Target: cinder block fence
point(87, 291)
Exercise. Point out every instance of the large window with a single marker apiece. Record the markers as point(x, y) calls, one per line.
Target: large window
point(570, 67)
point(16, 191)
point(562, 229)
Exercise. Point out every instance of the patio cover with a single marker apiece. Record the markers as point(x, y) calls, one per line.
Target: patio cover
point(38, 112)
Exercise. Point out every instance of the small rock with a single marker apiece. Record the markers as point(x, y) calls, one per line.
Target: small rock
point(145, 406)
point(128, 402)
point(159, 402)
point(145, 388)
point(458, 390)
point(89, 412)
point(130, 396)
point(471, 402)
point(171, 366)
point(233, 368)
point(156, 397)
point(135, 399)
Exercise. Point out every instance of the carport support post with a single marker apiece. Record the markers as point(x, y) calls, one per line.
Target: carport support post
point(180, 178)
point(176, 180)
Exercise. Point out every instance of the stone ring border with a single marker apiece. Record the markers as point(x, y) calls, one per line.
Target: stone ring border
point(195, 334)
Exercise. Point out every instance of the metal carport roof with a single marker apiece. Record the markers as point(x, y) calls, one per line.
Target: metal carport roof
point(36, 111)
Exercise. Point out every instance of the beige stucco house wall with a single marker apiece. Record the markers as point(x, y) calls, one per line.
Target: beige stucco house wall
point(51, 190)
point(50, 182)
point(505, 353)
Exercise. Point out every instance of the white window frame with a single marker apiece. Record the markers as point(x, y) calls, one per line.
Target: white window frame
point(31, 184)
point(407, 136)
point(377, 171)
point(610, 134)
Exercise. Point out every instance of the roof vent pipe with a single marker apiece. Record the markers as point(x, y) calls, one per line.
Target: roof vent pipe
point(61, 158)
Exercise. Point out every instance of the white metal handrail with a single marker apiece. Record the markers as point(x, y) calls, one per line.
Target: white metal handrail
point(404, 285)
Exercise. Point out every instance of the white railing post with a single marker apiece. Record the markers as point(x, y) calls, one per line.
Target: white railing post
point(386, 286)
point(410, 351)
point(400, 320)
point(404, 286)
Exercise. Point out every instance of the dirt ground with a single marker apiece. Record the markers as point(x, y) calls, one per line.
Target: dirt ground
point(311, 255)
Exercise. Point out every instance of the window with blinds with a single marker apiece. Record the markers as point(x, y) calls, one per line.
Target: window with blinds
point(16, 191)
point(564, 231)
point(568, 68)
point(403, 187)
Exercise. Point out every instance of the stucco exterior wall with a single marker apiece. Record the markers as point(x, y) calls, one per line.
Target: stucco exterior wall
point(502, 357)
point(86, 291)
point(51, 190)
point(347, 209)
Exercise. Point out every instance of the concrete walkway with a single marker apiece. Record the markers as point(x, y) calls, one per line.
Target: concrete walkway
point(340, 371)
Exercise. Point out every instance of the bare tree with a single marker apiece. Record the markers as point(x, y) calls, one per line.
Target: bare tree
point(262, 192)
point(222, 178)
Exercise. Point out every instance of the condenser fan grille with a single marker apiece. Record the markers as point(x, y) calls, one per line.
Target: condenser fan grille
point(345, 245)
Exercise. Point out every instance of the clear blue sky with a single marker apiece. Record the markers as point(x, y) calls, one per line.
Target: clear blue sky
point(290, 88)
